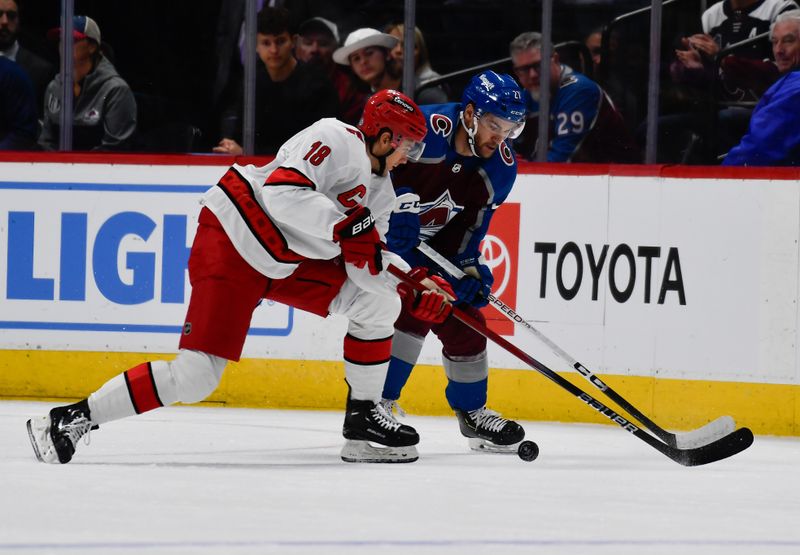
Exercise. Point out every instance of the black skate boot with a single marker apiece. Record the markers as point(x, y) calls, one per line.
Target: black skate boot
point(365, 422)
point(55, 436)
point(488, 431)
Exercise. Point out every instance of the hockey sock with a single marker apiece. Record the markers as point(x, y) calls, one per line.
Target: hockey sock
point(133, 392)
point(365, 362)
point(466, 396)
point(396, 378)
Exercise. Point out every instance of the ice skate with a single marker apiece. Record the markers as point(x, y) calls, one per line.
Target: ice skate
point(55, 436)
point(486, 430)
point(391, 406)
point(373, 435)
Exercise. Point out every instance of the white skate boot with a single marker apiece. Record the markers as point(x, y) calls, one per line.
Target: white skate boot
point(55, 436)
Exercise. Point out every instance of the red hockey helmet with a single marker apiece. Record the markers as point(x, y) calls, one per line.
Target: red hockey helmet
point(392, 110)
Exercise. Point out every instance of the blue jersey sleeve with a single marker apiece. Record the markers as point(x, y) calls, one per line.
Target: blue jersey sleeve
point(573, 115)
point(773, 138)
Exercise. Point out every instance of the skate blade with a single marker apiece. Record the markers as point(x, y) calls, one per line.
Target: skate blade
point(357, 451)
point(38, 434)
point(486, 446)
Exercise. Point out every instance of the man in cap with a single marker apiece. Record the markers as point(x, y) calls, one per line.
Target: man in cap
point(314, 43)
point(104, 109)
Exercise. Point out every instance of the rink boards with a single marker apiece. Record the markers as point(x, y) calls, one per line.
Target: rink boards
point(677, 285)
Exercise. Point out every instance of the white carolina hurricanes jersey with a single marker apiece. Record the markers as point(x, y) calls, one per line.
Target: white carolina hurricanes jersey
point(282, 213)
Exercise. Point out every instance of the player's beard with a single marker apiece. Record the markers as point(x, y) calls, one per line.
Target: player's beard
point(487, 148)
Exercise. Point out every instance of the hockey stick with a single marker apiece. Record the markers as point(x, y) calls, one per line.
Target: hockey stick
point(720, 427)
point(722, 448)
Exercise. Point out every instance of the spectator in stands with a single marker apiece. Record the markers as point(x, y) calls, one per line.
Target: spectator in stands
point(422, 66)
point(290, 96)
point(726, 23)
point(773, 137)
point(594, 43)
point(744, 75)
point(104, 109)
point(785, 37)
point(315, 42)
point(584, 125)
point(759, 75)
point(18, 123)
point(367, 51)
point(39, 70)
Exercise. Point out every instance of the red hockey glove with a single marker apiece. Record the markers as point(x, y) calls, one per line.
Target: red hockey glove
point(428, 306)
point(359, 240)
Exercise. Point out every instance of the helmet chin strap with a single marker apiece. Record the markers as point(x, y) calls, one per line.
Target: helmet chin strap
point(381, 159)
point(470, 132)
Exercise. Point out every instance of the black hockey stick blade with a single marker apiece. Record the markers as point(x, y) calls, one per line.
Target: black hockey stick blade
point(724, 447)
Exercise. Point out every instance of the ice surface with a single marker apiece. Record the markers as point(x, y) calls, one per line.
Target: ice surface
point(221, 480)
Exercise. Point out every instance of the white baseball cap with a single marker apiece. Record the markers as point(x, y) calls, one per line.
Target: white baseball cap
point(83, 27)
point(362, 38)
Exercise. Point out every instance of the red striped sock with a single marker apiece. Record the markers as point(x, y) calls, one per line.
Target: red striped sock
point(367, 352)
point(142, 388)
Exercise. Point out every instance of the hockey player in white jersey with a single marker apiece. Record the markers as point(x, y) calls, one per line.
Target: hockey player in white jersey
point(306, 230)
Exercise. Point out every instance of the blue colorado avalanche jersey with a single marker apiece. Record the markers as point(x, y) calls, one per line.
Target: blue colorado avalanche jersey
point(458, 194)
point(584, 124)
point(774, 135)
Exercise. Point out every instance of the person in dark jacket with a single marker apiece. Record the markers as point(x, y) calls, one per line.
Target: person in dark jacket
point(290, 95)
point(18, 124)
point(39, 70)
point(104, 108)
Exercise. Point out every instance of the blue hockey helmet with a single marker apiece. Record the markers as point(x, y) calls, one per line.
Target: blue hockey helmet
point(496, 93)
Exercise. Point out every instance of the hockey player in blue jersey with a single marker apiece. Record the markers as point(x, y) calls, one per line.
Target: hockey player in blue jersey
point(584, 124)
point(447, 199)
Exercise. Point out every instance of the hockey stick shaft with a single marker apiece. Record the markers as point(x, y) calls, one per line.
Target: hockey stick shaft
point(717, 428)
point(720, 449)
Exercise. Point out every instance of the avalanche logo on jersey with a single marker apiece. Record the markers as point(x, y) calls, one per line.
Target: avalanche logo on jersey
point(505, 154)
point(441, 125)
point(433, 216)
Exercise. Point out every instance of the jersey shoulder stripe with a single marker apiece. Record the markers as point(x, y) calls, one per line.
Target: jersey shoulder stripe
point(289, 176)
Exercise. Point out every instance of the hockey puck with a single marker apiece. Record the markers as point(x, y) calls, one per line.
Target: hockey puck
point(528, 451)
